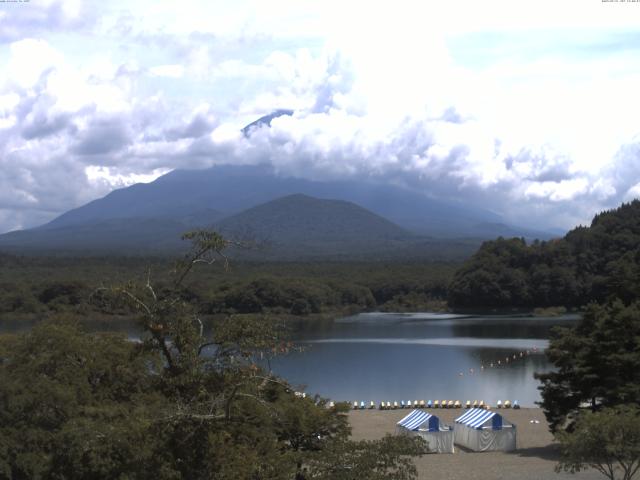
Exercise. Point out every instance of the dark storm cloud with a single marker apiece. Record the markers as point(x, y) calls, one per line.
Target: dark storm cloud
point(42, 126)
point(199, 125)
point(102, 136)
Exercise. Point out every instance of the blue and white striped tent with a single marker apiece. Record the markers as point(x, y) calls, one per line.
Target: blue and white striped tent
point(439, 437)
point(484, 430)
point(420, 418)
point(479, 417)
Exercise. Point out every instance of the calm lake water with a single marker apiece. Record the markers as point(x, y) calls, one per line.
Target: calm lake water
point(393, 357)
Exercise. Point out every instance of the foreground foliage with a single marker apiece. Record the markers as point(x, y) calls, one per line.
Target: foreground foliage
point(598, 363)
point(179, 404)
point(607, 441)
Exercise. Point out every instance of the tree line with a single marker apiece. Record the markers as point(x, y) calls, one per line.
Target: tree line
point(31, 287)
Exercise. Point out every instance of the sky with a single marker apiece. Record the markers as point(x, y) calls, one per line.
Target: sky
point(527, 109)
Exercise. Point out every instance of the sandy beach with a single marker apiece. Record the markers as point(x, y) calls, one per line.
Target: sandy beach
point(534, 459)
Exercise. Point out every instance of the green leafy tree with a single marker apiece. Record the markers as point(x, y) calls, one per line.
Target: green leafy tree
point(182, 403)
point(384, 459)
point(597, 363)
point(607, 441)
point(68, 398)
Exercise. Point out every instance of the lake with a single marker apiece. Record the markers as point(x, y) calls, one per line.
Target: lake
point(414, 356)
point(394, 357)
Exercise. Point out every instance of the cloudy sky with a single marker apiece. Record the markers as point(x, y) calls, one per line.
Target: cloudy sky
point(530, 109)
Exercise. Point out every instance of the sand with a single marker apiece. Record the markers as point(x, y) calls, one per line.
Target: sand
point(534, 459)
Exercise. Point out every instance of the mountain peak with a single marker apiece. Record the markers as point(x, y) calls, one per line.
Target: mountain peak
point(306, 224)
point(265, 120)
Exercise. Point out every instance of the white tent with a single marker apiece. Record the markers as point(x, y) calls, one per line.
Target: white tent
point(427, 426)
point(483, 430)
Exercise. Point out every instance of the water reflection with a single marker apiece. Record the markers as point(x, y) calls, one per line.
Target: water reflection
point(422, 356)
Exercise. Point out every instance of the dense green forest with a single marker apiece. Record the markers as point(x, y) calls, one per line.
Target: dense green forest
point(589, 264)
point(31, 287)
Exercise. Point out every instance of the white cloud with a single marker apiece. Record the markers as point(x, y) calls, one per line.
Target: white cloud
point(97, 174)
point(171, 71)
point(540, 130)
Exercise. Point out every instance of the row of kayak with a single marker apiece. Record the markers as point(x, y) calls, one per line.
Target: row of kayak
point(434, 404)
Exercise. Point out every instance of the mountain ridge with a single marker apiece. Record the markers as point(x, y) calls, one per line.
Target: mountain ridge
point(230, 189)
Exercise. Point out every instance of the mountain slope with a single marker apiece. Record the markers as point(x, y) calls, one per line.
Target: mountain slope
point(300, 227)
point(231, 189)
point(295, 227)
point(120, 235)
point(306, 225)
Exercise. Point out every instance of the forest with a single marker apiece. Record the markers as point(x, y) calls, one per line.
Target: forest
point(33, 286)
point(589, 264)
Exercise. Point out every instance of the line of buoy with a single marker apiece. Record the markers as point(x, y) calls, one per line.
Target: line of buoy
point(502, 361)
point(453, 404)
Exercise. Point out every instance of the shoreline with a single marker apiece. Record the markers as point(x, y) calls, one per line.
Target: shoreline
point(535, 456)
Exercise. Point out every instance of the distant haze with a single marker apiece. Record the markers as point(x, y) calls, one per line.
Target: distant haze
point(527, 110)
point(291, 218)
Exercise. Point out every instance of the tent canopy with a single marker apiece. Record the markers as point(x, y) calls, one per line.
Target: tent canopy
point(479, 418)
point(417, 419)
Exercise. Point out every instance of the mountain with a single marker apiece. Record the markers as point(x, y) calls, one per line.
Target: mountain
point(150, 216)
point(298, 218)
point(265, 121)
point(229, 189)
point(294, 227)
point(118, 235)
point(302, 226)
